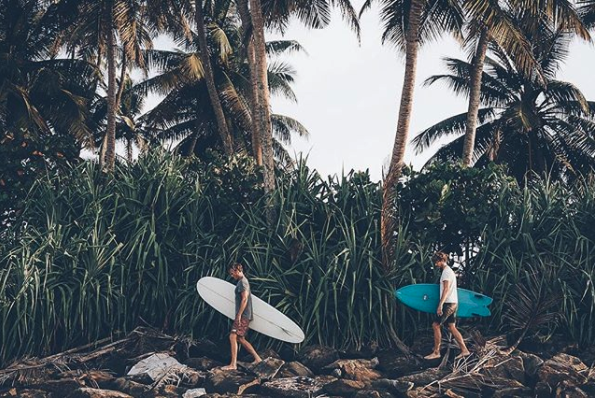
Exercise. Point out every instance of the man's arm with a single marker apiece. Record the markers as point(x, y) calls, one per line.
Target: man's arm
point(445, 290)
point(243, 305)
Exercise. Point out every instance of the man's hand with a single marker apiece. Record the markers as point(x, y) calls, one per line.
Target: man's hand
point(439, 310)
point(237, 320)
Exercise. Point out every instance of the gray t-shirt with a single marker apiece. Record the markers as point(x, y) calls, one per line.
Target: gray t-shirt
point(244, 285)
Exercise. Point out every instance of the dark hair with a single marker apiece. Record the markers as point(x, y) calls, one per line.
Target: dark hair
point(440, 256)
point(235, 267)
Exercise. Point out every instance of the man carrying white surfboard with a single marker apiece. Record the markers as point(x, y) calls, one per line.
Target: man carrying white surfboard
point(447, 307)
point(244, 314)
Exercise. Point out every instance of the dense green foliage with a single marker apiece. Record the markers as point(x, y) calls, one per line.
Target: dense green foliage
point(96, 256)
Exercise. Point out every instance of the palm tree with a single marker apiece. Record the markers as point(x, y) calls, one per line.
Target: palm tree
point(491, 20)
point(532, 122)
point(201, 35)
point(276, 13)
point(587, 12)
point(186, 114)
point(130, 128)
point(93, 30)
point(39, 92)
point(407, 25)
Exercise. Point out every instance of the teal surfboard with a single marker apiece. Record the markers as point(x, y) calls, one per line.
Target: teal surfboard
point(425, 297)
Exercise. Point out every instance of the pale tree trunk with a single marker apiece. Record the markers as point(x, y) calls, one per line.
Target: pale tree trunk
point(122, 82)
point(129, 151)
point(475, 97)
point(210, 81)
point(266, 133)
point(256, 125)
point(388, 217)
point(194, 139)
point(110, 140)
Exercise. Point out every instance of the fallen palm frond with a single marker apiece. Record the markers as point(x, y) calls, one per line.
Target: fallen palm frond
point(28, 370)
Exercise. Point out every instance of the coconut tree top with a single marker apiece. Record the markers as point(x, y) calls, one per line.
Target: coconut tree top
point(533, 123)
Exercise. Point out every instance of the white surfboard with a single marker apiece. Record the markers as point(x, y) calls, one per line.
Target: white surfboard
point(220, 295)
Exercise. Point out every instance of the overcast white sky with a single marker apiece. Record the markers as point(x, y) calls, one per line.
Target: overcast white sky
point(349, 94)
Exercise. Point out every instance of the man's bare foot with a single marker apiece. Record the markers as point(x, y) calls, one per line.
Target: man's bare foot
point(229, 367)
point(463, 355)
point(257, 360)
point(433, 355)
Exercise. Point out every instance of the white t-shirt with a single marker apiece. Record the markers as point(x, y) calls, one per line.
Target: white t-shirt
point(449, 275)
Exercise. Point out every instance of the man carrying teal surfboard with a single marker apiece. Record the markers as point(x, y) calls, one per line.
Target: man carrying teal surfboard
point(244, 314)
point(447, 307)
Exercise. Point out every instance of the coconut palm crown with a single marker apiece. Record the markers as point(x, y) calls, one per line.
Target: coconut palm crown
point(533, 124)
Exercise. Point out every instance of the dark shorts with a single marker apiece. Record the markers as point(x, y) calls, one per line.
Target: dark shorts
point(240, 328)
point(449, 314)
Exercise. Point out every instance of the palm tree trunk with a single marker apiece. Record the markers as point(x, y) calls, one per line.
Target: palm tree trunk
point(210, 81)
point(129, 150)
point(117, 106)
point(122, 81)
point(266, 132)
point(256, 125)
point(475, 97)
point(110, 140)
point(388, 221)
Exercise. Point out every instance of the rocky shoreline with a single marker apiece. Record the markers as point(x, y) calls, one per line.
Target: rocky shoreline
point(147, 363)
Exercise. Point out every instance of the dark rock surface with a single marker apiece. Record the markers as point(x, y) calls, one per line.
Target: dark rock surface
point(318, 370)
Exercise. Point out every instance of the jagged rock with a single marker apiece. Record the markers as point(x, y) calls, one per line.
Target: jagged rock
point(215, 395)
point(269, 353)
point(509, 367)
point(364, 352)
point(357, 369)
point(564, 391)
point(24, 393)
point(268, 368)
point(97, 393)
point(373, 394)
point(423, 378)
point(542, 390)
point(343, 387)
point(396, 386)
point(317, 356)
point(192, 378)
point(59, 388)
point(395, 364)
point(419, 392)
point(531, 362)
point(203, 363)
point(206, 348)
point(157, 366)
point(230, 381)
point(452, 394)
point(89, 377)
point(130, 387)
point(140, 378)
point(194, 393)
point(563, 368)
point(168, 391)
point(295, 387)
point(499, 387)
point(293, 369)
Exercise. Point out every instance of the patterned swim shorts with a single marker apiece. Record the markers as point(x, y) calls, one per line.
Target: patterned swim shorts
point(240, 328)
point(449, 314)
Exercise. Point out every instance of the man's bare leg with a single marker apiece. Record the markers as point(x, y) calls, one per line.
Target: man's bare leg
point(233, 341)
point(459, 339)
point(250, 349)
point(437, 340)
